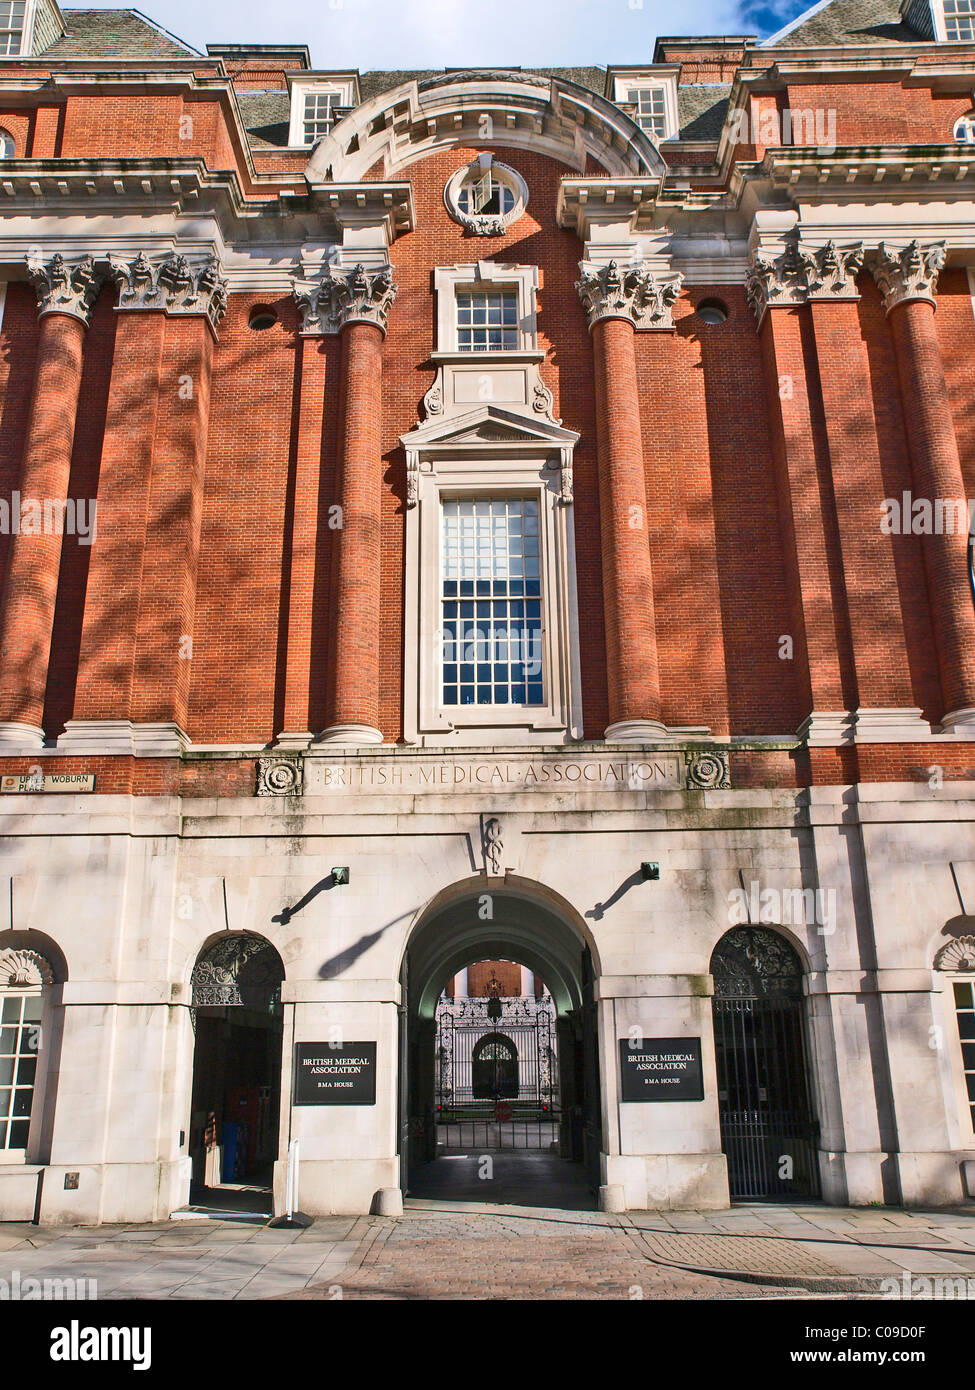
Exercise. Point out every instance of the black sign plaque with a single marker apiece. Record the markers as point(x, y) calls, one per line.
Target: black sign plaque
point(661, 1069)
point(327, 1075)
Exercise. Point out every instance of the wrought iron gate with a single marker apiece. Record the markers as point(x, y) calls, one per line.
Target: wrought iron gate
point(767, 1129)
point(497, 1076)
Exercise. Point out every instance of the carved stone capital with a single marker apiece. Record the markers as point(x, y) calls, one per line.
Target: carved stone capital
point(633, 292)
point(831, 271)
point(908, 273)
point(65, 287)
point(776, 281)
point(23, 970)
point(344, 295)
point(171, 283)
point(363, 296)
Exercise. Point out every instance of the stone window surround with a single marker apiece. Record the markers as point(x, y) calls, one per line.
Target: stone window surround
point(493, 223)
point(341, 87)
point(624, 80)
point(39, 982)
point(484, 473)
point(447, 280)
point(957, 1065)
point(26, 33)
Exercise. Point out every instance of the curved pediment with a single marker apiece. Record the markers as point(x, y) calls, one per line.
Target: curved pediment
point(550, 116)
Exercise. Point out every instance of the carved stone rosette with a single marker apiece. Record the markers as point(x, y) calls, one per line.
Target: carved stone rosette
point(708, 771)
point(633, 292)
point(171, 283)
point(278, 777)
point(344, 295)
point(24, 970)
point(65, 287)
point(909, 273)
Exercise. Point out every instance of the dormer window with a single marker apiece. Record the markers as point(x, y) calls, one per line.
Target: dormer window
point(317, 103)
point(11, 28)
point(651, 111)
point(649, 95)
point(318, 116)
point(960, 20)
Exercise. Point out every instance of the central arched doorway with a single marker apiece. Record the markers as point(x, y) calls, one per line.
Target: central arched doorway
point(504, 1070)
point(768, 1131)
point(494, 1069)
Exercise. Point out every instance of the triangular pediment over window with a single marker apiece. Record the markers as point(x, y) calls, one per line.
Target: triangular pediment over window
point(488, 424)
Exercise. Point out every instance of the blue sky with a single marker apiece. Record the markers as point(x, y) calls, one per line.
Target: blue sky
point(455, 33)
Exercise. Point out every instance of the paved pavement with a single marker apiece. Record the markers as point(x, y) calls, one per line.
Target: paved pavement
point(448, 1245)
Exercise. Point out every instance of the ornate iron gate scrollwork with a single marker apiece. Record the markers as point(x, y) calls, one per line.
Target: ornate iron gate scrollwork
point(767, 1128)
point(237, 971)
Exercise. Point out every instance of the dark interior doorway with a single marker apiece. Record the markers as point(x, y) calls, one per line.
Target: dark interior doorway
point(236, 1102)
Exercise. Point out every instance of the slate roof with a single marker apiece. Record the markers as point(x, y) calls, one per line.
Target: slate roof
point(266, 117)
point(701, 110)
point(850, 22)
point(113, 34)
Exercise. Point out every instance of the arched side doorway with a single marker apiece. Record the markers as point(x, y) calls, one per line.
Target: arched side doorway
point(237, 1019)
point(517, 921)
point(494, 1068)
point(768, 1131)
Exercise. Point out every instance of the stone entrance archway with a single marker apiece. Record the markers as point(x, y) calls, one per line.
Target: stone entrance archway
point(236, 1098)
point(514, 920)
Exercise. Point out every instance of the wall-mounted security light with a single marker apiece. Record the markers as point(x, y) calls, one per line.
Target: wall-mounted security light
point(650, 869)
point(340, 875)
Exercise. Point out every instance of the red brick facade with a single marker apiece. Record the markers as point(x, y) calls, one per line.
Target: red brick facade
point(728, 480)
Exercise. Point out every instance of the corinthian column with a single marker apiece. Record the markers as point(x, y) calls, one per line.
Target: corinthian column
point(136, 648)
point(66, 293)
point(908, 280)
point(358, 301)
point(617, 301)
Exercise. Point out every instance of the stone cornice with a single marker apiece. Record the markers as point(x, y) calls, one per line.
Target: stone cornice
point(584, 203)
point(350, 294)
point(187, 188)
point(65, 286)
point(909, 272)
point(871, 173)
point(173, 284)
point(630, 292)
